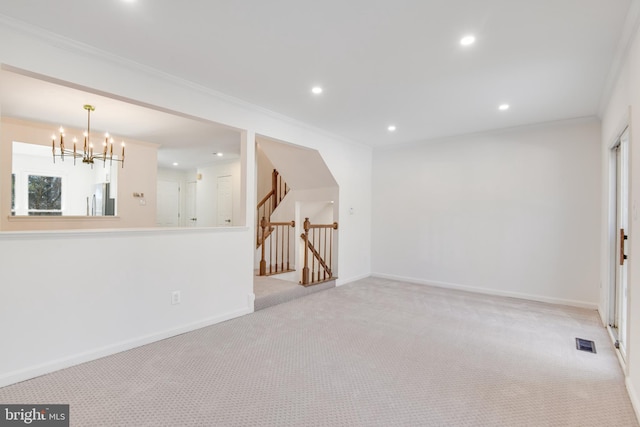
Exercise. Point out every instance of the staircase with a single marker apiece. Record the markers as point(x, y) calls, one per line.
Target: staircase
point(269, 203)
point(318, 246)
point(274, 238)
point(278, 245)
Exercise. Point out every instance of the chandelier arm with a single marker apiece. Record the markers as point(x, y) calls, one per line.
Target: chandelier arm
point(87, 155)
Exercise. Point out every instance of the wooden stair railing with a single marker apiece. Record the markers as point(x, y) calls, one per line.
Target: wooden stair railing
point(318, 245)
point(279, 254)
point(270, 202)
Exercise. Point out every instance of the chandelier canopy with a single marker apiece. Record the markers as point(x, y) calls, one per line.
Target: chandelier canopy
point(87, 155)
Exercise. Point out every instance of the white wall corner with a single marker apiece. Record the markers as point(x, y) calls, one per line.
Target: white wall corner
point(603, 315)
point(251, 299)
point(628, 33)
point(340, 282)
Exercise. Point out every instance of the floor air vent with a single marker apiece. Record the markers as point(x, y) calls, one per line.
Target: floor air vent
point(585, 345)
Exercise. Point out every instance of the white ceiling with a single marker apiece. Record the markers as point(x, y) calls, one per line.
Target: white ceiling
point(186, 141)
point(379, 61)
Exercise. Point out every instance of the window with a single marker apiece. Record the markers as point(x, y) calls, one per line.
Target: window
point(45, 195)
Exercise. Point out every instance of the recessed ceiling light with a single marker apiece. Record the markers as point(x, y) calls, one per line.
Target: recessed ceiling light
point(391, 128)
point(316, 90)
point(468, 40)
point(175, 163)
point(218, 154)
point(503, 107)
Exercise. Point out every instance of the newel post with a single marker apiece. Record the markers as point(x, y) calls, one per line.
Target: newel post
point(263, 262)
point(305, 236)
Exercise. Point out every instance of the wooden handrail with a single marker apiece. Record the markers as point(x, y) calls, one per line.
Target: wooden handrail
point(270, 202)
point(318, 245)
point(334, 225)
point(265, 199)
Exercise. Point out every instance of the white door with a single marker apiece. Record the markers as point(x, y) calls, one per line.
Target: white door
point(618, 301)
point(224, 201)
point(168, 208)
point(191, 202)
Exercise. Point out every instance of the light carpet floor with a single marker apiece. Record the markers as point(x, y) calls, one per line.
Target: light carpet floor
point(269, 290)
point(371, 353)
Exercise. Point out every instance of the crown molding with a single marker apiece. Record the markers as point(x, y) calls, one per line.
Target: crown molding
point(77, 47)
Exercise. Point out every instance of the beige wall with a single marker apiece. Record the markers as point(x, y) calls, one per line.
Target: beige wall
point(138, 176)
point(264, 174)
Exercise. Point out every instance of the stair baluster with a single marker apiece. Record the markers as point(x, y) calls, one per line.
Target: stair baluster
point(279, 247)
point(317, 246)
point(270, 202)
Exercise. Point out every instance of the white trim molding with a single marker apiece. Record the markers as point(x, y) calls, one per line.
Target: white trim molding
point(55, 365)
point(486, 291)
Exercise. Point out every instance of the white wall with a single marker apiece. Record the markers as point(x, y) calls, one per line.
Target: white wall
point(69, 297)
point(623, 108)
point(216, 265)
point(514, 212)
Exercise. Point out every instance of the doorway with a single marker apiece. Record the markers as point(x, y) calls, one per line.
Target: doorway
point(224, 201)
point(618, 233)
point(191, 205)
point(168, 208)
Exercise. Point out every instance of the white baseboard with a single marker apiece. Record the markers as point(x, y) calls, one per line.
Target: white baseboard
point(487, 291)
point(48, 367)
point(340, 282)
point(633, 396)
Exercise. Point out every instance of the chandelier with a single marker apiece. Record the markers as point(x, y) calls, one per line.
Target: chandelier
point(88, 155)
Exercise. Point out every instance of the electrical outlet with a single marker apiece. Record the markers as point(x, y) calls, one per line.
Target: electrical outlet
point(175, 297)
